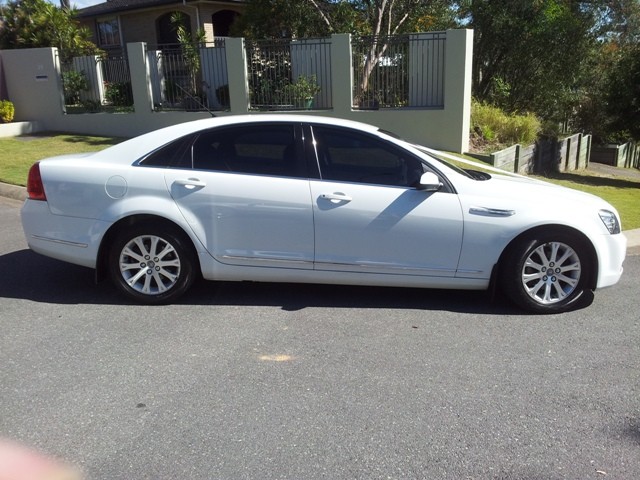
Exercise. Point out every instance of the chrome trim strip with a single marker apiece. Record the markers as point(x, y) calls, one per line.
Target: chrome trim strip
point(263, 259)
point(337, 265)
point(491, 212)
point(382, 265)
point(61, 242)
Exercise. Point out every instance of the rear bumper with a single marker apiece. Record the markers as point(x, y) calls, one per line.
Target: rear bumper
point(70, 239)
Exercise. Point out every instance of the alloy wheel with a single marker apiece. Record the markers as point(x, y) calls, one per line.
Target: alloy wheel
point(551, 272)
point(149, 264)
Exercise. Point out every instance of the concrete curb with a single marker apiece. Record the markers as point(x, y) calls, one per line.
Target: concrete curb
point(13, 191)
point(20, 193)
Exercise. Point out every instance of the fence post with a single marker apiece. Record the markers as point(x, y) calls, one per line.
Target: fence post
point(341, 73)
point(457, 81)
point(237, 75)
point(140, 77)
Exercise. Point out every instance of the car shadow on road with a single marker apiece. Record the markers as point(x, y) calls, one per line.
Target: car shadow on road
point(33, 277)
point(294, 297)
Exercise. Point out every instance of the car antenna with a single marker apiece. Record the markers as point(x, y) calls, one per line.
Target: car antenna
point(197, 99)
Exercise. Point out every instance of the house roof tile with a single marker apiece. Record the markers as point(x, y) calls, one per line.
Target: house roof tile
point(115, 6)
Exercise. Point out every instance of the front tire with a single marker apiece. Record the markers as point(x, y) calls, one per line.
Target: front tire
point(151, 265)
point(547, 272)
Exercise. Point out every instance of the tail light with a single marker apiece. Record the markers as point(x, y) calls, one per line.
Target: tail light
point(35, 188)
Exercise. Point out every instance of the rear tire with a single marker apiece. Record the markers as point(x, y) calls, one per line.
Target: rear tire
point(151, 265)
point(547, 272)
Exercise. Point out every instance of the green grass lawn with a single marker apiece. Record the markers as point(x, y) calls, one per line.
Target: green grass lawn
point(17, 154)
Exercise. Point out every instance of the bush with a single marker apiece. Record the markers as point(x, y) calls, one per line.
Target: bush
point(7, 111)
point(92, 106)
point(491, 125)
point(74, 83)
point(119, 94)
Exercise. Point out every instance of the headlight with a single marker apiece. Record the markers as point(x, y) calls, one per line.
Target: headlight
point(610, 221)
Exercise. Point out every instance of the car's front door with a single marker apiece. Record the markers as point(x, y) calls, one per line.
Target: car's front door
point(370, 218)
point(247, 195)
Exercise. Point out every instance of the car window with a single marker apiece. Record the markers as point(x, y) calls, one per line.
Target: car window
point(176, 154)
point(260, 149)
point(350, 156)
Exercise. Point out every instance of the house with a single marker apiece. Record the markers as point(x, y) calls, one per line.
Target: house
point(115, 23)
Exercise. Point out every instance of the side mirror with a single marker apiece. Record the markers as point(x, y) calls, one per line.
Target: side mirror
point(429, 182)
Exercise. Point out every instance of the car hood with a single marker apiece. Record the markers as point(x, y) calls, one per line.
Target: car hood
point(532, 190)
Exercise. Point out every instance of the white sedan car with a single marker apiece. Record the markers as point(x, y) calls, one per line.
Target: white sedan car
point(288, 198)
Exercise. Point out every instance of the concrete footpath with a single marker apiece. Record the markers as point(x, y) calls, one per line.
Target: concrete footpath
point(20, 193)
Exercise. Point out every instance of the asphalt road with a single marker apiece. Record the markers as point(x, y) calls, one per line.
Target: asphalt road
point(248, 381)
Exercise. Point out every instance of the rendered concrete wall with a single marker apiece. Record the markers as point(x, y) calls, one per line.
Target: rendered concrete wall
point(34, 86)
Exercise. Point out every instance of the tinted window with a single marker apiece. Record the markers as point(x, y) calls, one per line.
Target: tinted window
point(350, 156)
point(176, 154)
point(256, 149)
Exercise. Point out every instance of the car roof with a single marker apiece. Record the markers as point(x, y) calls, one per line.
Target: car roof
point(134, 148)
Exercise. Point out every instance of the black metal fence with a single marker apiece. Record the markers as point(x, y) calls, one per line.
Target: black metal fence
point(289, 74)
point(97, 83)
point(189, 77)
point(399, 71)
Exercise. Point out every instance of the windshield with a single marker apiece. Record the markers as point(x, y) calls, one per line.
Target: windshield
point(467, 172)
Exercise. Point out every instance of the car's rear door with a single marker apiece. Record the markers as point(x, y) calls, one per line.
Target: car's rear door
point(247, 195)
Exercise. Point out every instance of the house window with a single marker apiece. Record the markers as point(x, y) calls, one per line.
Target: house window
point(109, 33)
point(167, 32)
point(222, 22)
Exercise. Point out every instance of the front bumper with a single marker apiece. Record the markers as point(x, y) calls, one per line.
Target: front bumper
point(611, 250)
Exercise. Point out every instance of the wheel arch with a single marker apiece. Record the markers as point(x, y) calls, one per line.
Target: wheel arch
point(553, 228)
point(131, 221)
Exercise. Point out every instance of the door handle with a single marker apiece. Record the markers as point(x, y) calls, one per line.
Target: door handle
point(336, 197)
point(190, 183)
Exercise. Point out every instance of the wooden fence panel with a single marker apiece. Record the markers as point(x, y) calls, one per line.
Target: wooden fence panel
point(584, 151)
point(506, 159)
point(568, 154)
point(527, 160)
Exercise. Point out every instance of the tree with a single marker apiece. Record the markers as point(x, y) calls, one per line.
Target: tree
point(279, 19)
point(190, 45)
point(529, 55)
point(382, 18)
point(610, 94)
point(623, 97)
point(38, 23)
point(300, 18)
point(377, 18)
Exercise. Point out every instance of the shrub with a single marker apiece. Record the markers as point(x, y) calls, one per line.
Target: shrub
point(74, 83)
point(7, 111)
point(494, 126)
point(523, 129)
point(92, 106)
point(119, 94)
